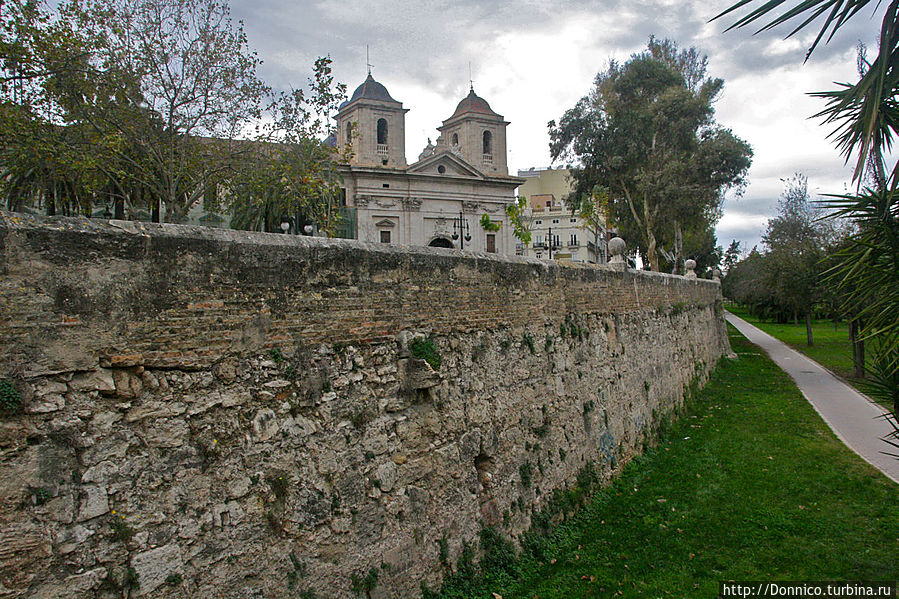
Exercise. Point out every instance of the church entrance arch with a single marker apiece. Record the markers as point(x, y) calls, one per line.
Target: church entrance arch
point(441, 242)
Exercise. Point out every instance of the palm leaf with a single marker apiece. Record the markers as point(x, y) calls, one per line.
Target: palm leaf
point(837, 11)
point(867, 113)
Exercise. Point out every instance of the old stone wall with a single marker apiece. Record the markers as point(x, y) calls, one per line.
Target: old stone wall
point(212, 413)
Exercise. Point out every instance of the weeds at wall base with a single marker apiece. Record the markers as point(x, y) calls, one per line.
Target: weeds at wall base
point(500, 562)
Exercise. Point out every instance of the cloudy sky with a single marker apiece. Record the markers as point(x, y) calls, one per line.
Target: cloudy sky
point(532, 60)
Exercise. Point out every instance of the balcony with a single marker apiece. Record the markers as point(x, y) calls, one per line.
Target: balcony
point(487, 159)
point(382, 150)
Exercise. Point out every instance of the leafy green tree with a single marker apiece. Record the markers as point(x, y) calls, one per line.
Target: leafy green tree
point(796, 244)
point(520, 219)
point(290, 170)
point(42, 161)
point(732, 255)
point(187, 87)
point(647, 133)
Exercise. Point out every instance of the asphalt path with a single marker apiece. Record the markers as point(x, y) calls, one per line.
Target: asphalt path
point(859, 422)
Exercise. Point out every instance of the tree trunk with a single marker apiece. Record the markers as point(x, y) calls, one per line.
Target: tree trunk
point(678, 249)
point(858, 348)
point(808, 327)
point(652, 256)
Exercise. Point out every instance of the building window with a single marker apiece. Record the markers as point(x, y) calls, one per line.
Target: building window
point(539, 241)
point(455, 139)
point(538, 222)
point(574, 220)
point(382, 131)
point(491, 243)
point(488, 143)
point(441, 169)
point(385, 236)
point(555, 221)
point(349, 134)
point(573, 240)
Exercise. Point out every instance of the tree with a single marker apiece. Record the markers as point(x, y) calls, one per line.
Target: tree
point(796, 246)
point(744, 284)
point(290, 170)
point(732, 255)
point(40, 157)
point(646, 132)
point(521, 220)
point(169, 86)
point(867, 118)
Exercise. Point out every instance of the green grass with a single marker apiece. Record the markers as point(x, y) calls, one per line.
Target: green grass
point(749, 485)
point(831, 346)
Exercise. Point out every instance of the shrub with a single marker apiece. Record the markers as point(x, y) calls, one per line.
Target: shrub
point(10, 398)
point(426, 349)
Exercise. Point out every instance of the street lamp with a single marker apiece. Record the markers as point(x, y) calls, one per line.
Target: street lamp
point(551, 245)
point(464, 230)
point(285, 223)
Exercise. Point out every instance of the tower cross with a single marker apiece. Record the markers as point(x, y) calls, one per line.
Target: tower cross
point(367, 60)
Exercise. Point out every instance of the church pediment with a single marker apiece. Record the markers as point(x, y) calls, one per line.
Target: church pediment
point(445, 163)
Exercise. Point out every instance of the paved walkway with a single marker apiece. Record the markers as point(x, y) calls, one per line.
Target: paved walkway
point(856, 420)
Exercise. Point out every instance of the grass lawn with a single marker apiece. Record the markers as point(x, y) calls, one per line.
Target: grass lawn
point(831, 346)
point(749, 485)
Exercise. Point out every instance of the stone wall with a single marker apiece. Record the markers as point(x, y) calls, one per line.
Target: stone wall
point(212, 413)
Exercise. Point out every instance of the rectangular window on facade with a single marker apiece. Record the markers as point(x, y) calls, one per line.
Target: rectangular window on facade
point(574, 220)
point(385, 236)
point(573, 240)
point(491, 243)
point(539, 240)
point(555, 221)
point(538, 222)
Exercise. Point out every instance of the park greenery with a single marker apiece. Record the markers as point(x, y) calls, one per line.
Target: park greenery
point(645, 142)
point(154, 104)
point(785, 281)
point(865, 272)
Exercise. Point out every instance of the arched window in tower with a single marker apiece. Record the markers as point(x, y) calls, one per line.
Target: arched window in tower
point(488, 143)
point(382, 131)
point(349, 134)
point(455, 139)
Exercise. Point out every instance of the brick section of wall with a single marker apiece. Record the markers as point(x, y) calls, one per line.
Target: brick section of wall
point(174, 296)
point(224, 414)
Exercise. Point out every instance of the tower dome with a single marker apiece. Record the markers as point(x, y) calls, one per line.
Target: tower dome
point(472, 103)
point(371, 90)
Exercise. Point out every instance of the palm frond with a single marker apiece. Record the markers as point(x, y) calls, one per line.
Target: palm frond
point(838, 13)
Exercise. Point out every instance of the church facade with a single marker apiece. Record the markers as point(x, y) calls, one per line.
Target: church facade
point(454, 196)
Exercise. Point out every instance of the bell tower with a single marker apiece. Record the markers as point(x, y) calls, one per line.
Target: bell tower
point(373, 125)
point(479, 134)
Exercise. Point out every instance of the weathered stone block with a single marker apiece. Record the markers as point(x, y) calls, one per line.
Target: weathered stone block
point(93, 502)
point(96, 380)
point(154, 566)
